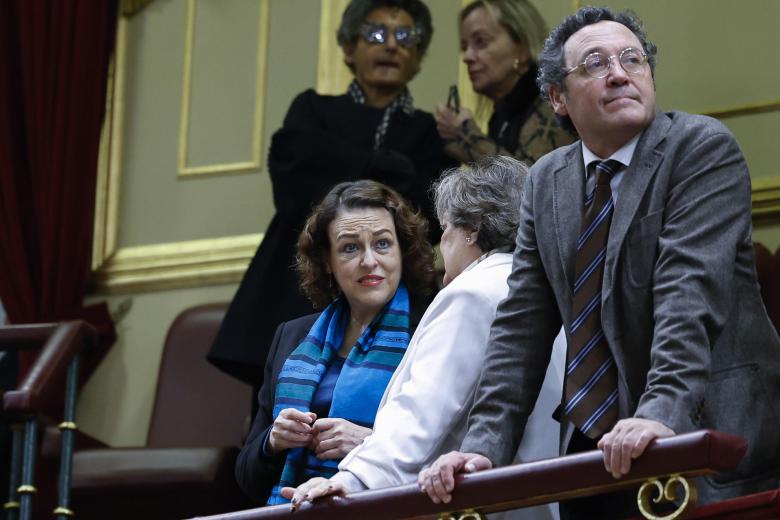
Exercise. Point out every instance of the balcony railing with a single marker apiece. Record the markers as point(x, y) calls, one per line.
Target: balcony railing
point(665, 468)
point(50, 384)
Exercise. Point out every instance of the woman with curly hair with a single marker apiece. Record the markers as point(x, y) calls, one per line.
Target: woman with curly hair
point(364, 257)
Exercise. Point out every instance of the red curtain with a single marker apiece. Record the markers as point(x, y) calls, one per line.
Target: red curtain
point(54, 57)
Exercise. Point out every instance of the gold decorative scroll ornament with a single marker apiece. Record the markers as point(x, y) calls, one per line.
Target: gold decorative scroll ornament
point(666, 493)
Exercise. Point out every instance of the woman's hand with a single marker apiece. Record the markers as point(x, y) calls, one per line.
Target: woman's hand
point(448, 122)
point(334, 438)
point(313, 488)
point(291, 429)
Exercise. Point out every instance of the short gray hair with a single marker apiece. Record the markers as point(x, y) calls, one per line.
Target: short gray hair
point(483, 196)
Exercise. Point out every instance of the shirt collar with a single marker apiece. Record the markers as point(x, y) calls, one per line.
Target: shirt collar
point(623, 154)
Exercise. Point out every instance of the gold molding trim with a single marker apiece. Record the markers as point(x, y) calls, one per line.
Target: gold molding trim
point(745, 110)
point(766, 201)
point(333, 76)
point(106, 222)
point(186, 171)
point(176, 265)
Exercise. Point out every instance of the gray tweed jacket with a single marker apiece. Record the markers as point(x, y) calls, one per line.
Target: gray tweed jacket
point(681, 307)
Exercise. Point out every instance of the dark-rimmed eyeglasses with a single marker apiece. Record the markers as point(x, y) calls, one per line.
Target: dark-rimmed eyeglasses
point(598, 64)
point(377, 33)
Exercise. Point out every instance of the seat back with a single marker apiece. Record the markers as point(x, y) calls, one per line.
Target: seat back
point(196, 405)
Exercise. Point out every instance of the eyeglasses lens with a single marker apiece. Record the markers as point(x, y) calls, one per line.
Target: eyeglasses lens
point(404, 35)
point(597, 64)
point(632, 60)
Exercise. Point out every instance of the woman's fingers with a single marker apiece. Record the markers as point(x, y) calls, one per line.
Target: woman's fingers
point(291, 429)
point(311, 490)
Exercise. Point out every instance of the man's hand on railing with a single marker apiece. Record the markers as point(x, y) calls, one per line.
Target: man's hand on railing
point(438, 480)
point(627, 441)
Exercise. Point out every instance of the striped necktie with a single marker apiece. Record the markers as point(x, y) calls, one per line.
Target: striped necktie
point(591, 376)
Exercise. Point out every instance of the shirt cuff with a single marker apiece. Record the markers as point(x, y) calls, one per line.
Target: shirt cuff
point(350, 482)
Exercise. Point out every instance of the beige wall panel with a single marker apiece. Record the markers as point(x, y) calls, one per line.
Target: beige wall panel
point(115, 405)
point(716, 55)
point(292, 58)
point(713, 54)
point(156, 206)
point(223, 81)
point(758, 138)
point(440, 66)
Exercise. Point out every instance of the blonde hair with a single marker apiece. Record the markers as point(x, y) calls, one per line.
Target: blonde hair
point(518, 17)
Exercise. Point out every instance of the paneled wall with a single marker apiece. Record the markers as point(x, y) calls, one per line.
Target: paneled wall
point(198, 88)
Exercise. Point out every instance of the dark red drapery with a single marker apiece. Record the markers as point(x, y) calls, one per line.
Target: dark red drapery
point(54, 59)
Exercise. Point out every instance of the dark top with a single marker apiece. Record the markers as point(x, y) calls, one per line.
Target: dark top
point(324, 140)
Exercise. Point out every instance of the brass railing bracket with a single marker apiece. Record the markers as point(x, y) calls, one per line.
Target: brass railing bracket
point(666, 493)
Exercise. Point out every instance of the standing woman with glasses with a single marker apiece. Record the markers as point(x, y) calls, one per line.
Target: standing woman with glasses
point(500, 41)
point(371, 132)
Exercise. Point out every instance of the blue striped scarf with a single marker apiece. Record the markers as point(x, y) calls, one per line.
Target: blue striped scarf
point(359, 388)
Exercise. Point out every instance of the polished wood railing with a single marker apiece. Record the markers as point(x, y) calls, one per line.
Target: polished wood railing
point(667, 464)
point(48, 389)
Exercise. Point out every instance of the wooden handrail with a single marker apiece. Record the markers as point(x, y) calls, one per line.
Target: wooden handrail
point(688, 455)
point(59, 343)
point(50, 382)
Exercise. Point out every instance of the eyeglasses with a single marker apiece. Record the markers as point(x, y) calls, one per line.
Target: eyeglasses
point(405, 36)
point(598, 64)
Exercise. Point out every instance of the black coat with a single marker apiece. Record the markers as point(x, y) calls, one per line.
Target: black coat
point(324, 140)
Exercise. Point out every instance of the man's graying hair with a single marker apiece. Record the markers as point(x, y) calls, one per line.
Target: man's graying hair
point(484, 196)
point(552, 63)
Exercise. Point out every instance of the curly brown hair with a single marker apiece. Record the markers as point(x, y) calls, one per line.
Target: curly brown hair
point(410, 226)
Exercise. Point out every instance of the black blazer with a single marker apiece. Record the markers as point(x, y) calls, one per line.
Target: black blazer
point(256, 472)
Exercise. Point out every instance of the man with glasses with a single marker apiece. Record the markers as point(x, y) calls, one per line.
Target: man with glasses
point(638, 240)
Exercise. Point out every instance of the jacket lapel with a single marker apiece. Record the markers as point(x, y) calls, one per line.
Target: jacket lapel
point(568, 197)
point(631, 191)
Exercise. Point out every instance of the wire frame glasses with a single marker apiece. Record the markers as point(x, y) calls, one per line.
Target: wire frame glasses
point(598, 64)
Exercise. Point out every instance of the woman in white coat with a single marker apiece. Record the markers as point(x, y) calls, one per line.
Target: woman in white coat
point(425, 407)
